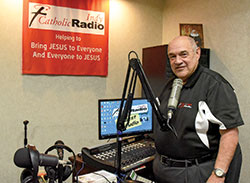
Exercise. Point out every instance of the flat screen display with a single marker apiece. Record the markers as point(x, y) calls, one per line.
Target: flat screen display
point(140, 122)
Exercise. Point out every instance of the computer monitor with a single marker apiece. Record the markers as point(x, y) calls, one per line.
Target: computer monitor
point(141, 120)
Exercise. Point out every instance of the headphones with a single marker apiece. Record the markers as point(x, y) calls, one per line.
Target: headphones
point(27, 176)
point(65, 171)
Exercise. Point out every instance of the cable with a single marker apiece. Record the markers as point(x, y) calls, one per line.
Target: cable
point(102, 176)
point(121, 179)
point(77, 174)
point(131, 53)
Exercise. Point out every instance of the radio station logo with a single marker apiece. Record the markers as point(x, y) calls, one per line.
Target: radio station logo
point(49, 17)
point(136, 109)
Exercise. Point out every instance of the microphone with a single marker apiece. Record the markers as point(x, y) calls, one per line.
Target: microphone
point(28, 158)
point(174, 96)
point(60, 149)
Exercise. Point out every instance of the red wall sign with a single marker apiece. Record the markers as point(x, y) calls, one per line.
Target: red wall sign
point(65, 37)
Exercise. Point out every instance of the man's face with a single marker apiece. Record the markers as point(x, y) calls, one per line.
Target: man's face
point(183, 58)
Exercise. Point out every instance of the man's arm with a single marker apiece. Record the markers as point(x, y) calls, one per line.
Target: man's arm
point(228, 143)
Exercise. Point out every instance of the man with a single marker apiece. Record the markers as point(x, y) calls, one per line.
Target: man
point(206, 148)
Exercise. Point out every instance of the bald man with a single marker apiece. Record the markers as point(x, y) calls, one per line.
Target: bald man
point(206, 149)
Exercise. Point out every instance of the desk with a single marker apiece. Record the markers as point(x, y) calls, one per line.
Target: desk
point(146, 172)
point(87, 168)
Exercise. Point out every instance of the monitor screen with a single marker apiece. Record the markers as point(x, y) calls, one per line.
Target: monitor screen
point(140, 122)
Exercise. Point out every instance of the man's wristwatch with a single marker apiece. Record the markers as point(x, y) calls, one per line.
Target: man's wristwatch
point(219, 172)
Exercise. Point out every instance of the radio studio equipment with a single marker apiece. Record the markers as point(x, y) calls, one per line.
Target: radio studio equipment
point(138, 148)
point(26, 122)
point(103, 156)
point(125, 109)
point(30, 159)
point(174, 96)
point(127, 154)
point(56, 168)
point(61, 171)
point(23, 158)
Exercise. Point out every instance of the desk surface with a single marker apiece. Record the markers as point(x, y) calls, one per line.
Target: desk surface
point(79, 164)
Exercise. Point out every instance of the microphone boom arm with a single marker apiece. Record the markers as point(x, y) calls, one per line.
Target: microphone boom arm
point(125, 110)
point(163, 120)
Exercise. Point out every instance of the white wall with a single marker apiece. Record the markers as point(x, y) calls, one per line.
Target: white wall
point(226, 31)
point(65, 107)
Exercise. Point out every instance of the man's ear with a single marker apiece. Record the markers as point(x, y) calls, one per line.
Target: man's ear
point(198, 52)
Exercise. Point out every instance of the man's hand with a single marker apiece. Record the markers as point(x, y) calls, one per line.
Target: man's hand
point(214, 179)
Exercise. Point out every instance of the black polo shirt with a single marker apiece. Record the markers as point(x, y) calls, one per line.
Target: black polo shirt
point(207, 104)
